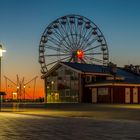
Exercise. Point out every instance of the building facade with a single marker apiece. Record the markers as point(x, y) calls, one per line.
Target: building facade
point(89, 83)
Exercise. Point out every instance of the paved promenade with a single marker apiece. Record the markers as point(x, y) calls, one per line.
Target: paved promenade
point(71, 122)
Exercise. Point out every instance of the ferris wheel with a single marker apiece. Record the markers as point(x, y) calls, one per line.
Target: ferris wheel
point(72, 38)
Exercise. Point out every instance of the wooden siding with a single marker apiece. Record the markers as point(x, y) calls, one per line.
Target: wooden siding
point(104, 98)
point(118, 95)
point(138, 95)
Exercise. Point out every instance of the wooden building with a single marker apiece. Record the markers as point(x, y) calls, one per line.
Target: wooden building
point(89, 83)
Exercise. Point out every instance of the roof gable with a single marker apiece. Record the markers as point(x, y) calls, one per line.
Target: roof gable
point(97, 69)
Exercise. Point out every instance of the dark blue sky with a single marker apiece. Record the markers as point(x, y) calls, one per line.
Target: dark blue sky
point(23, 21)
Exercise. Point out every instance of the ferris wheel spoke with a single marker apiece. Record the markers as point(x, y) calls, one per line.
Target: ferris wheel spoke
point(63, 28)
point(83, 61)
point(56, 42)
point(93, 53)
point(95, 59)
point(72, 38)
point(63, 38)
point(64, 43)
point(86, 39)
point(57, 61)
point(76, 38)
point(48, 55)
point(79, 39)
point(89, 35)
point(59, 45)
point(69, 41)
point(70, 59)
point(59, 40)
point(58, 33)
point(54, 48)
point(68, 26)
point(67, 35)
point(79, 34)
point(76, 31)
point(65, 58)
point(75, 26)
point(92, 41)
point(88, 60)
point(83, 28)
point(61, 31)
point(92, 48)
point(52, 63)
point(80, 45)
point(71, 32)
point(90, 44)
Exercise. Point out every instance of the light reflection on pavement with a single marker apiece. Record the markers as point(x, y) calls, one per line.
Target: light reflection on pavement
point(67, 124)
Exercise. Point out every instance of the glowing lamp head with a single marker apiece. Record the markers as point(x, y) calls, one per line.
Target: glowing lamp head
point(80, 54)
point(1, 50)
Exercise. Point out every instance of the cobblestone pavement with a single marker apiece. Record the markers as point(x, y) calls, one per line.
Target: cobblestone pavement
point(16, 126)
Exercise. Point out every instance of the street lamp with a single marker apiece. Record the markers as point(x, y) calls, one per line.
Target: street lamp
point(1, 52)
point(52, 82)
point(52, 87)
point(14, 95)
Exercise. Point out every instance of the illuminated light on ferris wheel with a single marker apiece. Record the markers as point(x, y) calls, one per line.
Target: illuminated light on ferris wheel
point(80, 54)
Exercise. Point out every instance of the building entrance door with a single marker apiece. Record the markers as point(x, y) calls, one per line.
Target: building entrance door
point(127, 95)
point(94, 95)
point(135, 95)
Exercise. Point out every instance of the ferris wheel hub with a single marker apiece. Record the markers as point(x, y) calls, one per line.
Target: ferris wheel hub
point(77, 55)
point(80, 54)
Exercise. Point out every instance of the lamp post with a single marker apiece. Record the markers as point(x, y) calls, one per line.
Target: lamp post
point(1, 51)
point(52, 91)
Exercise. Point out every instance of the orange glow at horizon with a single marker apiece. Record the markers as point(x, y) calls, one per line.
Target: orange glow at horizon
point(30, 91)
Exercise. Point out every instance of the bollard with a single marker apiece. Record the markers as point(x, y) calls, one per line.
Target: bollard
point(0, 103)
point(1, 94)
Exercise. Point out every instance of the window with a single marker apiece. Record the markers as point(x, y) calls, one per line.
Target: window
point(88, 79)
point(102, 91)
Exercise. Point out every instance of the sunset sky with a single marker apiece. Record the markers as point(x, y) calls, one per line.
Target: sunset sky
point(22, 23)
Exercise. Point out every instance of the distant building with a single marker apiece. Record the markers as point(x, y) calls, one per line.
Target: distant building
point(89, 83)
